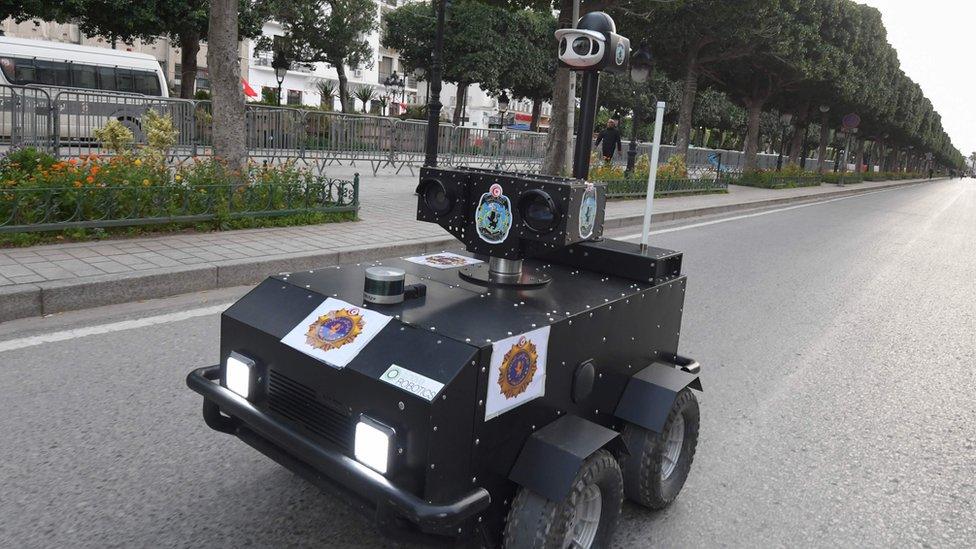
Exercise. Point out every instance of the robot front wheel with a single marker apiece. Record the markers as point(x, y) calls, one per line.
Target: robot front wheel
point(652, 475)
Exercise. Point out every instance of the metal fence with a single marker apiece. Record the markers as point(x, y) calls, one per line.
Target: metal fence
point(55, 209)
point(63, 121)
point(637, 188)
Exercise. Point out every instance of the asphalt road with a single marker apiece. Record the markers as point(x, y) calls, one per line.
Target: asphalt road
point(838, 343)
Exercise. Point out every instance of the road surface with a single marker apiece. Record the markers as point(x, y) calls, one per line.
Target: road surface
point(838, 343)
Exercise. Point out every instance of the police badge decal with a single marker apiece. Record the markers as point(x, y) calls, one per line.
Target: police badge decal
point(587, 216)
point(335, 329)
point(518, 368)
point(493, 218)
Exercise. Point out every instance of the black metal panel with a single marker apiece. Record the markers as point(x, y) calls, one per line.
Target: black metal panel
point(552, 456)
point(619, 258)
point(298, 402)
point(650, 394)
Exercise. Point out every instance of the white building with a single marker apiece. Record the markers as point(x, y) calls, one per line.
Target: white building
point(481, 109)
point(300, 86)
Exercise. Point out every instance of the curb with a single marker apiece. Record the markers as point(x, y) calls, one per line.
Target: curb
point(26, 300)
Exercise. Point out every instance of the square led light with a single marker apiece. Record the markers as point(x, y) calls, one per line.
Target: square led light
point(372, 447)
point(238, 374)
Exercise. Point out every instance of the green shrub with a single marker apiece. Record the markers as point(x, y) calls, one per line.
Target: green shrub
point(114, 136)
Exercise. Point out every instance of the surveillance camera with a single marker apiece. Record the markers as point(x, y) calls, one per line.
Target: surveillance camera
point(593, 45)
point(581, 49)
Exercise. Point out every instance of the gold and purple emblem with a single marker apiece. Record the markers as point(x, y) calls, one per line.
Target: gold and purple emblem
point(335, 329)
point(518, 368)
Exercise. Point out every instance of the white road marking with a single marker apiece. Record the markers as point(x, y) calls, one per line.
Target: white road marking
point(65, 335)
point(757, 214)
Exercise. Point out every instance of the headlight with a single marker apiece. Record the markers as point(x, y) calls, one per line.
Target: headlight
point(238, 374)
point(373, 443)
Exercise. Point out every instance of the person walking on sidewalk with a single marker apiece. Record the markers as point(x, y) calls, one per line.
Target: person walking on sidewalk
point(610, 137)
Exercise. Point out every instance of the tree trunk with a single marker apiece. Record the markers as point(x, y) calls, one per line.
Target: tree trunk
point(859, 156)
point(536, 114)
point(753, 114)
point(459, 98)
point(229, 137)
point(687, 110)
point(824, 137)
point(189, 48)
point(343, 88)
point(559, 141)
point(799, 124)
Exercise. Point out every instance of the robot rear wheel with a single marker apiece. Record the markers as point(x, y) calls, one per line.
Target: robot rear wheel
point(658, 464)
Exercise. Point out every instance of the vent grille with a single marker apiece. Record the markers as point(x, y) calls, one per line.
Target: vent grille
point(296, 402)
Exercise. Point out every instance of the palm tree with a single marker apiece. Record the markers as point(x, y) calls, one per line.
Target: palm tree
point(327, 89)
point(365, 94)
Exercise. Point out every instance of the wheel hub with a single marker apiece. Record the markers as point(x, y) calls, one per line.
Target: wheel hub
point(586, 518)
point(672, 447)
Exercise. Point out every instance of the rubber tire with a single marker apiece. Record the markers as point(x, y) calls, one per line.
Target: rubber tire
point(539, 523)
point(642, 467)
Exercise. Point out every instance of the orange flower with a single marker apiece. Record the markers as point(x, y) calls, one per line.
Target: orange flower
point(72, 161)
point(77, 183)
point(90, 179)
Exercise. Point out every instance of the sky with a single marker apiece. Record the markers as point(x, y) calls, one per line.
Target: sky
point(935, 40)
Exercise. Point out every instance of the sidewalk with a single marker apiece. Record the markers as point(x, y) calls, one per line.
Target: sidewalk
point(60, 277)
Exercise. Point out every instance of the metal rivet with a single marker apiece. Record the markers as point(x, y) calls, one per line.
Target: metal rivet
point(435, 428)
point(401, 405)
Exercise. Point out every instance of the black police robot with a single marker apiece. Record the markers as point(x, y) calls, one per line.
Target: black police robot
point(512, 395)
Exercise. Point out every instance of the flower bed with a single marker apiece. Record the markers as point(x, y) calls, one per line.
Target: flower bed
point(91, 194)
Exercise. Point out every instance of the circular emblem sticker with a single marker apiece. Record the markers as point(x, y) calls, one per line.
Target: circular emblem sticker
point(587, 215)
point(493, 217)
point(518, 368)
point(335, 329)
point(621, 54)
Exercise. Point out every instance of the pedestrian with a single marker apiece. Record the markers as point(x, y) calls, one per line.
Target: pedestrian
point(610, 137)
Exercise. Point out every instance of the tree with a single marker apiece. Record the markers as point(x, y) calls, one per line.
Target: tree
point(532, 59)
point(477, 43)
point(365, 94)
point(184, 22)
point(229, 136)
point(333, 32)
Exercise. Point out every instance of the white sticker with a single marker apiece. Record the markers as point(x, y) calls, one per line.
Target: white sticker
point(335, 332)
point(518, 371)
point(412, 382)
point(444, 260)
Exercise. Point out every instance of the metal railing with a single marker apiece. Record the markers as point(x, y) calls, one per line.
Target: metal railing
point(63, 121)
point(637, 188)
point(54, 209)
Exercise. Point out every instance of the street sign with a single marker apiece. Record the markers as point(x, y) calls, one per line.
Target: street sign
point(851, 121)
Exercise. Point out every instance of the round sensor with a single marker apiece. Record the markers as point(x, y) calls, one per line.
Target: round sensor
point(581, 46)
point(437, 198)
point(538, 211)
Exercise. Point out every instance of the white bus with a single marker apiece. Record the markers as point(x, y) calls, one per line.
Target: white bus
point(57, 64)
point(89, 85)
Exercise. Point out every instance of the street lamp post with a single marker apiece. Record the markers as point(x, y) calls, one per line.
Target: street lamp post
point(436, 70)
point(786, 119)
point(395, 83)
point(503, 103)
point(280, 65)
point(640, 70)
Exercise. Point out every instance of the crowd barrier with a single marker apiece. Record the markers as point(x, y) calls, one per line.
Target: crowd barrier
point(63, 121)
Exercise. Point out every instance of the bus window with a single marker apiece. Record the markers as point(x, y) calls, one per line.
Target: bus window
point(147, 83)
point(52, 73)
point(17, 70)
point(83, 76)
point(106, 78)
point(123, 79)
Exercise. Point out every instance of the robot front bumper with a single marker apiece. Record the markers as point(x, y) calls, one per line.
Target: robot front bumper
point(329, 468)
